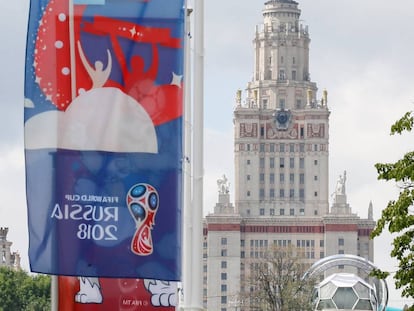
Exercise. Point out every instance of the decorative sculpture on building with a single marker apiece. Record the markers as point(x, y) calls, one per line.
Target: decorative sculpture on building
point(223, 185)
point(340, 185)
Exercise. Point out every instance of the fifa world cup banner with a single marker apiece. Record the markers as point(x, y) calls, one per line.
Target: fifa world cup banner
point(102, 294)
point(103, 137)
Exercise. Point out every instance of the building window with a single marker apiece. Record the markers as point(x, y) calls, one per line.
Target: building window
point(282, 103)
point(272, 162)
point(282, 212)
point(248, 147)
point(248, 177)
point(282, 193)
point(223, 287)
point(302, 163)
point(262, 163)
point(223, 299)
point(341, 242)
point(315, 162)
point(262, 193)
point(291, 193)
point(282, 177)
point(302, 211)
point(224, 253)
point(262, 212)
point(224, 276)
point(316, 193)
point(291, 162)
point(282, 162)
point(321, 243)
point(272, 178)
point(302, 135)
point(272, 147)
point(248, 193)
point(262, 147)
point(302, 194)
point(302, 178)
point(282, 74)
point(315, 147)
point(223, 241)
point(321, 255)
point(291, 178)
point(242, 254)
point(292, 212)
point(301, 145)
point(272, 212)
point(341, 252)
point(293, 60)
point(282, 147)
point(224, 264)
point(315, 177)
point(248, 162)
point(261, 176)
point(298, 104)
point(264, 103)
point(291, 147)
point(242, 243)
point(272, 193)
point(293, 74)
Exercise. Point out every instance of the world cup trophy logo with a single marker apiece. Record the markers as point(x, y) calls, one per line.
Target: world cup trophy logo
point(142, 201)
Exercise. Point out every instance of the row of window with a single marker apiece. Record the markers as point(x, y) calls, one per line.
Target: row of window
point(274, 148)
point(281, 163)
point(264, 243)
point(282, 195)
point(281, 178)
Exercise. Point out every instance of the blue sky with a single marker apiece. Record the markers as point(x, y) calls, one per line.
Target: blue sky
point(361, 52)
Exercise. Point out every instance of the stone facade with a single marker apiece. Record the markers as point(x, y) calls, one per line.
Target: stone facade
point(281, 151)
point(8, 258)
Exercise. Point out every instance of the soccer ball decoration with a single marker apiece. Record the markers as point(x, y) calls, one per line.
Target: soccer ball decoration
point(142, 201)
point(344, 291)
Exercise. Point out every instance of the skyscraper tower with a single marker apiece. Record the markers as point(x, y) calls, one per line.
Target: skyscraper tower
point(281, 154)
point(281, 130)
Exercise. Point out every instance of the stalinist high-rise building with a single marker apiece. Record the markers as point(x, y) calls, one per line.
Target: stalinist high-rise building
point(281, 158)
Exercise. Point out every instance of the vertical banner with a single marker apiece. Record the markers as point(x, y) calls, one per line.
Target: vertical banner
point(103, 137)
point(102, 294)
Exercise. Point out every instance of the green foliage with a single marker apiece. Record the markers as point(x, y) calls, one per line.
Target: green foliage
point(398, 216)
point(20, 291)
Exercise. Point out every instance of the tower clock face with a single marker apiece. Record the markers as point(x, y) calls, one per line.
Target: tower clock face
point(282, 118)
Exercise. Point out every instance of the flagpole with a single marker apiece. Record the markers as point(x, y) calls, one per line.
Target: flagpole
point(197, 216)
point(187, 228)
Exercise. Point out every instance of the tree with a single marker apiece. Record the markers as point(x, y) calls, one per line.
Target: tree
point(398, 216)
point(275, 282)
point(20, 291)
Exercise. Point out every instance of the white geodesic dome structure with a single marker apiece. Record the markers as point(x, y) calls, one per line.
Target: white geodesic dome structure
point(347, 291)
point(344, 291)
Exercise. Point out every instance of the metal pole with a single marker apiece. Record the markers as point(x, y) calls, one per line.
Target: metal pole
point(187, 219)
point(193, 292)
point(197, 256)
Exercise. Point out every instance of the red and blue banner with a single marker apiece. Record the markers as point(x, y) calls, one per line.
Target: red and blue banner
point(102, 294)
point(103, 137)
